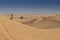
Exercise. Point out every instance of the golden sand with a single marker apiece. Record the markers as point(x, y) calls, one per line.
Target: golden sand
point(19, 29)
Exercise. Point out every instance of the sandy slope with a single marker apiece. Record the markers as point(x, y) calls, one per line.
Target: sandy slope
point(40, 21)
point(13, 30)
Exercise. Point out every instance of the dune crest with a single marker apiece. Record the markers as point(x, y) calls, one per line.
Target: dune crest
point(41, 22)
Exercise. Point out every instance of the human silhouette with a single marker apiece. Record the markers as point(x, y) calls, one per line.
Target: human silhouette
point(11, 16)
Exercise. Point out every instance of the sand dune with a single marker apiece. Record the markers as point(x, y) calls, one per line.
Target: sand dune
point(20, 29)
point(40, 21)
point(43, 23)
point(56, 17)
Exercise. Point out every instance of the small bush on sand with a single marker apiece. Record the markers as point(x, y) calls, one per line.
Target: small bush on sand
point(21, 17)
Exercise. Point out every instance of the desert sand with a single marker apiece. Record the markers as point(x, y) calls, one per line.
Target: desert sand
point(30, 27)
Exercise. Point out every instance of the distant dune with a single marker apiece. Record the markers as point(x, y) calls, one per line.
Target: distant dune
point(43, 23)
point(40, 21)
point(30, 27)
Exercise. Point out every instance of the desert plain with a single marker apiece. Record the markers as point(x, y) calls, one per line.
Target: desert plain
point(30, 27)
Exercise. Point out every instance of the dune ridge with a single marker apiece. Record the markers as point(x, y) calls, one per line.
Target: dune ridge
point(39, 21)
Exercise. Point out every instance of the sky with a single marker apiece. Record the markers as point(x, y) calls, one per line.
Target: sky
point(30, 6)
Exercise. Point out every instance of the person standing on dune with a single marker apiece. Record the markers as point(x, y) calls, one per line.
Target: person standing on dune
point(11, 16)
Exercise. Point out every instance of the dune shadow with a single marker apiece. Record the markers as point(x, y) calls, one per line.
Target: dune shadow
point(46, 23)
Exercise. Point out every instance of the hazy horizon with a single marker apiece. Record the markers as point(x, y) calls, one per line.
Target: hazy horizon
point(30, 6)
